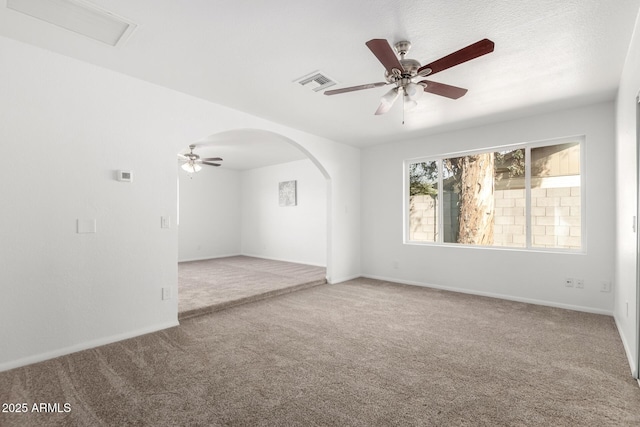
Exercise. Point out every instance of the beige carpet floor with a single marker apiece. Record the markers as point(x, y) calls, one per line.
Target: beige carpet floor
point(360, 353)
point(211, 285)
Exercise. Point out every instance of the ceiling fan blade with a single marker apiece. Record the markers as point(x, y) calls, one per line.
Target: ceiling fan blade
point(442, 89)
point(354, 88)
point(215, 159)
point(211, 164)
point(385, 54)
point(182, 157)
point(465, 54)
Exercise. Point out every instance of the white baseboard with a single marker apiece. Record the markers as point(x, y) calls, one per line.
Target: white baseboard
point(495, 295)
point(253, 256)
point(627, 349)
point(84, 346)
point(284, 260)
point(343, 279)
point(208, 257)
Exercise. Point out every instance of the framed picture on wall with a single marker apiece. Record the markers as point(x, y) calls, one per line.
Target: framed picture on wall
point(287, 193)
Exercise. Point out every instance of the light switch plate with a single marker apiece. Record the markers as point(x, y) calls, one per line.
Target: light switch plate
point(165, 222)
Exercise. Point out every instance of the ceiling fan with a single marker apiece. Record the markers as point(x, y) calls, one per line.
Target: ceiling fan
point(401, 73)
point(193, 161)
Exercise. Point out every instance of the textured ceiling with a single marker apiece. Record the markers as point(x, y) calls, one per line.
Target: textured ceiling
point(246, 54)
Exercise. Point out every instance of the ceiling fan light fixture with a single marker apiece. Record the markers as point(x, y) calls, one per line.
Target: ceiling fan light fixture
point(387, 101)
point(391, 96)
point(409, 104)
point(191, 167)
point(414, 91)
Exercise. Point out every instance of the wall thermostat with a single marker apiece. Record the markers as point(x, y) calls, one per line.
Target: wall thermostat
point(126, 176)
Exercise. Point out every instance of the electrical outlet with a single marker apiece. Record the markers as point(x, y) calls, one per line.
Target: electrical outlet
point(580, 283)
point(605, 286)
point(166, 294)
point(568, 282)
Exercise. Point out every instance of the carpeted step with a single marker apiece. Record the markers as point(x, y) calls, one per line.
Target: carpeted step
point(202, 311)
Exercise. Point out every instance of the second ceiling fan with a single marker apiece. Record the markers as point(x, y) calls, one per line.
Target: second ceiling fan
point(401, 72)
point(192, 161)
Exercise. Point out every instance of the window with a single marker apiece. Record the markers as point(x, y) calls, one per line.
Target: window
point(527, 196)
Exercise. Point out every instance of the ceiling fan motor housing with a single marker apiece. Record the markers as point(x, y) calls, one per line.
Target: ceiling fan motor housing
point(410, 66)
point(192, 156)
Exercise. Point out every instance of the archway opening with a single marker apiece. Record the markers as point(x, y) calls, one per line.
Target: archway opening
point(232, 220)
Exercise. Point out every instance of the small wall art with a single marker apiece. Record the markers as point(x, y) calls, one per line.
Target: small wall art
point(287, 193)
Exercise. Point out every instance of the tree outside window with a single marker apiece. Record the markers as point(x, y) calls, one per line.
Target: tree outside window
point(481, 198)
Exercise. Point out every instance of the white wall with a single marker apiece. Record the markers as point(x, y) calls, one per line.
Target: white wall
point(209, 214)
point(626, 201)
point(72, 125)
point(227, 212)
point(297, 233)
point(520, 275)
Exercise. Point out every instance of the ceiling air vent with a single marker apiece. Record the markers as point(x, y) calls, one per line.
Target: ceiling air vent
point(316, 81)
point(78, 16)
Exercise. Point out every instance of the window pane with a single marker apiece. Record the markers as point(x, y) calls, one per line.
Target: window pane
point(556, 197)
point(510, 199)
point(423, 201)
point(451, 179)
point(484, 199)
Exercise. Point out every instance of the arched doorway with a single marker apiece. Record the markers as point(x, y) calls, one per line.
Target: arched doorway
point(233, 209)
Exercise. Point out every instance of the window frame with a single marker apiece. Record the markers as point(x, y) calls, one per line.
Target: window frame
point(527, 146)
